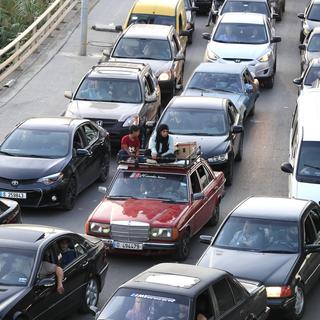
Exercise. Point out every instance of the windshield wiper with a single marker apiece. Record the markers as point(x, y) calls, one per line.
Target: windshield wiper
point(276, 251)
point(7, 153)
point(121, 197)
point(223, 90)
point(311, 166)
point(200, 89)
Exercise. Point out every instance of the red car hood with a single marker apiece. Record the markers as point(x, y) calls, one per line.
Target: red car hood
point(155, 212)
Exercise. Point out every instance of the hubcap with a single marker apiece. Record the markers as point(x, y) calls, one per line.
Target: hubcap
point(92, 293)
point(299, 300)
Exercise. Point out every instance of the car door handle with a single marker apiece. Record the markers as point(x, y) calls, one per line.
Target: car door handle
point(84, 264)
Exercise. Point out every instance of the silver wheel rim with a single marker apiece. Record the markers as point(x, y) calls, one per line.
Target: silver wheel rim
point(92, 293)
point(299, 300)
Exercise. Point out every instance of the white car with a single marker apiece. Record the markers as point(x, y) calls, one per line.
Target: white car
point(246, 38)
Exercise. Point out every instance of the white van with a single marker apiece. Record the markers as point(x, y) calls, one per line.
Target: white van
point(304, 150)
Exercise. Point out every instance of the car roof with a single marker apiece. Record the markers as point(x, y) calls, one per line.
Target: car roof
point(147, 31)
point(271, 208)
point(175, 278)
point(243, 17)
point(52, 123)
point(27, 235)
point(232, 68)
point(186, 102)
point(160, 7)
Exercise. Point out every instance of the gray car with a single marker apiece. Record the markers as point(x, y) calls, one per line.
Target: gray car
point(116, 95)
point(246, 38)
point(230, 81)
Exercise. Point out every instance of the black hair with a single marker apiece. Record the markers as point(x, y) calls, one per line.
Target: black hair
point(134, 128)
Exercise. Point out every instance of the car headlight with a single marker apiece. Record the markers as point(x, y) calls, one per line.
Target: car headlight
point(219, 158)
point(161, 233)
point(211, 55)
point(53, 178)
point(279, 292)
point(265, 57)
point(165, 76)
point(102, 228)
point(132, 120)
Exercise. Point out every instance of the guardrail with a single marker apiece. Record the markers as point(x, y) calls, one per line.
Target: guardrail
point(17, 51)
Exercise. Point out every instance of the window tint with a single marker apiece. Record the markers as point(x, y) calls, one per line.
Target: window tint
point(309, 231)
point(239, 293)
point(78, 140)
point(91, 133)
point(66, 251)
point(223, 295)
point(204, 305)
point(204, 179)
point(195, 183)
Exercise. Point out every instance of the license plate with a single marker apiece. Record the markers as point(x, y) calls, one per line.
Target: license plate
point(13, 195)
point(127, 245)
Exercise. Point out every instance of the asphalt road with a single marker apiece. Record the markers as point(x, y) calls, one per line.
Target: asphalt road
point(265, 145)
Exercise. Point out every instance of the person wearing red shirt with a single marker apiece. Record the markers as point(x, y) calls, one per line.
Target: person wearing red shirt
point(130, 144)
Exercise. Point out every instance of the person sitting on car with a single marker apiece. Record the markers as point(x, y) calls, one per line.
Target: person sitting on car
point(161, 145)
point(130, 144)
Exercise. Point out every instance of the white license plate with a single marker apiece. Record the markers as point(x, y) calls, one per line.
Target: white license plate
point(127, 245)
point(13, 195)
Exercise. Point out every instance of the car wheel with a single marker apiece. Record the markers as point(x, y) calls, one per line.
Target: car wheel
point(284, 6)
point(183, 249)
point(90, 295)
point(298, 308)
point(70, 195)
point(229, 173)
point(104, 170)
point(215, 216)
point(269, 82)
point(240, 152)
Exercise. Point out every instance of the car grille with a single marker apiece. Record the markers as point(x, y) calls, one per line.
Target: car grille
point(237, 60)
point(106, 123)
point(130, 231)
point(21, 182)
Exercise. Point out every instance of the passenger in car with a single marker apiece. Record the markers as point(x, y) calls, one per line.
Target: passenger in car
point(67, 254)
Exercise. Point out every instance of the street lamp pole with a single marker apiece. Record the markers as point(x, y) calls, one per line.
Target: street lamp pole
point(84, 28)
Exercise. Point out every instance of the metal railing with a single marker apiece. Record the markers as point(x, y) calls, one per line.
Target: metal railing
point(17, 51)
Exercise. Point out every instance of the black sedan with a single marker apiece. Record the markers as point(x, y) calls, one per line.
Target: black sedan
point(49, 161)
point(27, 292)
point(10, 211)
point(274, 241)
point(171, 291)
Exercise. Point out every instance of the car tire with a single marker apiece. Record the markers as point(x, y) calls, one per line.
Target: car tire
point(215, 216)
point(90, 295)
point(284, 6)
point(70, 195)
point(240, 152)
point(104, 171)
point(183, 248)
point(269, 82)
point(298, 308)
point(229, 173)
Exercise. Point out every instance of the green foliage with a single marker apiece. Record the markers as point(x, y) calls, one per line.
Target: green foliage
point(17, 15)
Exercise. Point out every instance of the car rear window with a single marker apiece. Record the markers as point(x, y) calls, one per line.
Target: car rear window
point(152, 19)
point(245, 6)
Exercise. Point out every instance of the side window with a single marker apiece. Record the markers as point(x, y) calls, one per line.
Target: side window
point(239, 293)
point(204, 306)
point(147, 89)
point(91, 133)
point(231, 115)
point(67, 252)
point(48, 263)
point(309, 231)
point(78, 142)
point(204, 181)
point(209, 173)
point(195, 183)
point(223, 295)
point(80, 247)
point(175, 46)
point(150, 83)
point(315, 215)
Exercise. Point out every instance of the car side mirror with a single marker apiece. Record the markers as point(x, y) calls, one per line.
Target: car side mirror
point(68, 94)
point(297, 81)
point(119, 28)
point(275, 39)
point(286, 167)
point(300, 15)
point(151, 98)
point(83, 153)
point(312, 248)
point(46, 282)
point(179, 57)
point(106, 53)
point(198, 196)
point(185, 33)
point(206, 239)
point(150, 124)
point(206, 36)
point(302, 46)
point(237, 129)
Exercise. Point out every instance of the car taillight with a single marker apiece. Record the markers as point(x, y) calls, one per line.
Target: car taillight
point(279, 292)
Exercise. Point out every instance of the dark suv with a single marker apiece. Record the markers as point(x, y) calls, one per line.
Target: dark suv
point(116, 95)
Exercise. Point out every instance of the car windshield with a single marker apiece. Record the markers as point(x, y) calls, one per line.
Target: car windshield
point(195, 122)
point(309, 162)
point(152, 19)
point(109, 90)
point(314, 43)
point(262, 235)
point(37, 143)
point(15, 266)
point(245, 6)
point(312, 75)
point(138, 304)
point(150, 185)
point(213, 81)
point(241, 33)
point(149, 49)
point(314, 13)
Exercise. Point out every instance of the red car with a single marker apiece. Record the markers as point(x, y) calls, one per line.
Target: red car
point(158, 207)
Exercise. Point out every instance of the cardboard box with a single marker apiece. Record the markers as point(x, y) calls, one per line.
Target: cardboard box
point(186, 150)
